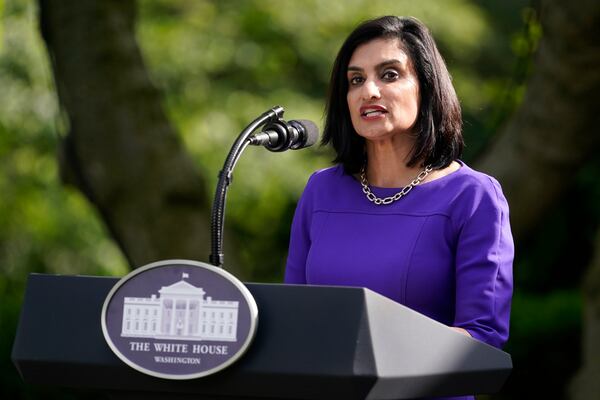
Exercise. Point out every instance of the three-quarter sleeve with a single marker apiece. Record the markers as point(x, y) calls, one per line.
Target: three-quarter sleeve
point(295, 269)
point(484, 259)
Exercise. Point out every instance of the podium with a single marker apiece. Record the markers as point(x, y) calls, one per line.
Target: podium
point(312, 342)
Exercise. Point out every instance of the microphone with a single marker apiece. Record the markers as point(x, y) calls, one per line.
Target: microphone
point(280, 135)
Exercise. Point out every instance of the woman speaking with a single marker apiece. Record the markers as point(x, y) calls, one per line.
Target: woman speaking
point(400, 213)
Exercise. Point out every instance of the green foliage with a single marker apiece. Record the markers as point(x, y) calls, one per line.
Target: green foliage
point(44, 227)
point(545, 332)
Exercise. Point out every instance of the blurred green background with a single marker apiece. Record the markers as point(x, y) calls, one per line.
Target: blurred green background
point(219, 64)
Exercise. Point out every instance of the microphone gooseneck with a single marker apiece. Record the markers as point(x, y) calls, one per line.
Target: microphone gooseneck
point(277, 135)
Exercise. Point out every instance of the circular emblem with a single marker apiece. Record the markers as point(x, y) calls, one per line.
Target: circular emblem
point(179, 319)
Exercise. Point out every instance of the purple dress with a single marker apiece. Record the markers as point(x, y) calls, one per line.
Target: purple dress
point(444, 250)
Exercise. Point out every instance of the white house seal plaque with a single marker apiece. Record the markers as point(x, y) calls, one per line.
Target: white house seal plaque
point(179, 319)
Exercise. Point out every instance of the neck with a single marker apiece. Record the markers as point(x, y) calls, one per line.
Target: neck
point(386, 165)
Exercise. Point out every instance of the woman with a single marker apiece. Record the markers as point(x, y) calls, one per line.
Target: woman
point(400, 213)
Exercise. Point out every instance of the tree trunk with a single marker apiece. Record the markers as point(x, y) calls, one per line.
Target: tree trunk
point(554, 131)
point(121, 150)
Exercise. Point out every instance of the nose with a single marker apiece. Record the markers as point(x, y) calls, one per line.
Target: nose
point(370, 90)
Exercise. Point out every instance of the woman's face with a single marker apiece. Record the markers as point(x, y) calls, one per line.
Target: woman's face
point(383, 90)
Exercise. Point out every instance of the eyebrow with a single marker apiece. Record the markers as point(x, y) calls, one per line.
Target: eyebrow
point(378, 66)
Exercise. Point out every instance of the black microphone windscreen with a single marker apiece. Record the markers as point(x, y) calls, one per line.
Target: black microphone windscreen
point(311, 131)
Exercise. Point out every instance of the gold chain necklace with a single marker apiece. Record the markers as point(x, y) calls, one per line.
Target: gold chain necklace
point(388, 200)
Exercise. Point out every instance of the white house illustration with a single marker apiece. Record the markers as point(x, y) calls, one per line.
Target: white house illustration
point(180, 312)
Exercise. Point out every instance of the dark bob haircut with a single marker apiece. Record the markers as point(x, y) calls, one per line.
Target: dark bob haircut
point(438, 128)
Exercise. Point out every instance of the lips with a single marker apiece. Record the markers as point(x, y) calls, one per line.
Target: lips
point(372, 111)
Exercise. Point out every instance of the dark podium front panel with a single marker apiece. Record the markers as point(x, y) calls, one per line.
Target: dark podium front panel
point(312, 342)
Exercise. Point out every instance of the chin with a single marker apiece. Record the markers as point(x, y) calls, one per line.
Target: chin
point(375, 134)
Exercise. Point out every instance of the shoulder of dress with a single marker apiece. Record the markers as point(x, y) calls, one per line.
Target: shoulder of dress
point(329, 186)
point(462, 194)
point(326, 175)
point(473, 181)
point(475, 190)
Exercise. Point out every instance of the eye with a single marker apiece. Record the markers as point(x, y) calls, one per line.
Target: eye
point(356, 80)
point(389, 75)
